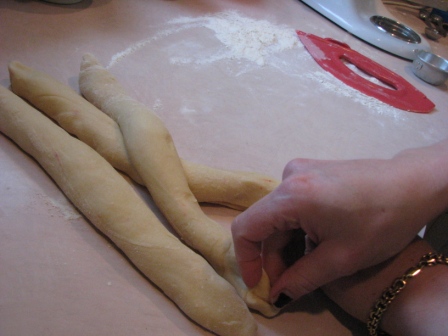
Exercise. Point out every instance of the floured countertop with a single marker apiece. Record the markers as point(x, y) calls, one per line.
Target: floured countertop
point(236, 89)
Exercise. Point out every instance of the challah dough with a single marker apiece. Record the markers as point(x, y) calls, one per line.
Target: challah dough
point(235, 189)
point(113, 206)
point(154, 156)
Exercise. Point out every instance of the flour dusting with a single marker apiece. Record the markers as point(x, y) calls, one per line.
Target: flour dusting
point(157, 105)
point(143, 43)
point(253, 44)
point(244, 38)
point(365, 75)
point(62, 207)
point(329, 83)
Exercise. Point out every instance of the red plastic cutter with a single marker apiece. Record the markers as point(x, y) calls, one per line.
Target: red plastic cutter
point(333, 55)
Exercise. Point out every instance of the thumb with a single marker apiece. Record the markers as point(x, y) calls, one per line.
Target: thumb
point(315, 269)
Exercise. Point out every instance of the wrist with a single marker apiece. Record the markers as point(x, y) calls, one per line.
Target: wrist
point(428, 166)
point(422, 174)
point(357, 294)
point(420, 308)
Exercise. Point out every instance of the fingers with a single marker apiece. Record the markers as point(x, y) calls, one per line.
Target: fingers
point(264, 219)
point(249, 229)
point(324, 264)
point(261, 232)
point(275, 213)
point(251, 271)
point(273, 254)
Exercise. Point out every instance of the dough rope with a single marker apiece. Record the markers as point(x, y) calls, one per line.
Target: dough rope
point(154, 156)
point(79, 117)
point(113, 206)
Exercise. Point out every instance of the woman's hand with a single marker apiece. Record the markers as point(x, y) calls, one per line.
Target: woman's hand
point(355, 214)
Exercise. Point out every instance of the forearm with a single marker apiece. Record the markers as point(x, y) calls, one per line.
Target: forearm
point(429, 169)
point(420, 309)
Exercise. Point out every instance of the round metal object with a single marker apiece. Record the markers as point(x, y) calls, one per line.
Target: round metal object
point(395, 29)
point(432, 33)
point(431, 68)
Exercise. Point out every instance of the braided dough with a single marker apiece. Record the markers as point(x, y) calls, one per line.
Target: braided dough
point(154, 156)
point(112, 205)
point(79, 117)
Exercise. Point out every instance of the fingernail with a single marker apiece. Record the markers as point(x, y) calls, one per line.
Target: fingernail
point(282, 300)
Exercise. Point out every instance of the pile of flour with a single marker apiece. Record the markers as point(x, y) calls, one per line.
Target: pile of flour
point(244, 38)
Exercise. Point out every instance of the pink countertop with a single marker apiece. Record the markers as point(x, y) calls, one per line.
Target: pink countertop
point(253, 111)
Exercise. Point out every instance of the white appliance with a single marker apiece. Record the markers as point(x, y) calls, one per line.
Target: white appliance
point(372, 22)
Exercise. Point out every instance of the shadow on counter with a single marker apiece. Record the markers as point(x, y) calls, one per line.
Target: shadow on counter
point(43, 7)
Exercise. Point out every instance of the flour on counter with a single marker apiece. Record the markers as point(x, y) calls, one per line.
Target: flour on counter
point(243, 38)
point(252, 44)
point(143, 43)
point(330, 84)
point(62, 207)
point(157, 105)
point(365, 75)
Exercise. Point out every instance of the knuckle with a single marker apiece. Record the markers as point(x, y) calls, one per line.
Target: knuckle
point(295, 165)
point(238, 230)
point(298, 185)
point(348, 261)
point(302, 286)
